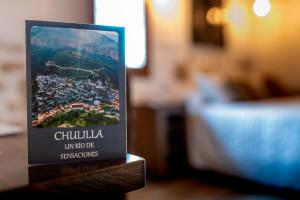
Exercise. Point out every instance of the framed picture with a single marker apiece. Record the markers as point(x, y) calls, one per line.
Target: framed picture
point(204, 32)
point(76, 92)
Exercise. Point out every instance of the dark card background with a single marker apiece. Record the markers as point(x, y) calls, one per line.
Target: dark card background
point(42, 148)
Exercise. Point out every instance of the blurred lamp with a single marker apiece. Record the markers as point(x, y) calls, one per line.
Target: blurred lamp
point(131, 15)
point(262, 8)
point(214, 16)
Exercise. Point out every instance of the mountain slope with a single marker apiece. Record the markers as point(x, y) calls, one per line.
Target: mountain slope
point(85, 49)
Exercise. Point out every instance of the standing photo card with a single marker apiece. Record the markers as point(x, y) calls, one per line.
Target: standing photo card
point(76, 104)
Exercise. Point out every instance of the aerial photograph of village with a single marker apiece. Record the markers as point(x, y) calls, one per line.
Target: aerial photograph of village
point(74, 77)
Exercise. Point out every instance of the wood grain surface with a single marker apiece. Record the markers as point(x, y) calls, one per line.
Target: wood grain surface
point(111, 176)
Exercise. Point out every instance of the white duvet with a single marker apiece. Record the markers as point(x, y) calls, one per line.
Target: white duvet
point(258, 141)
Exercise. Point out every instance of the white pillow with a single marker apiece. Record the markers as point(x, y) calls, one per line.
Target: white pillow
point(212, 89)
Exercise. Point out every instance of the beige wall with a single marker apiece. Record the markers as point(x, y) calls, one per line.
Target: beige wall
point(13, 14)
point(169, 43)
point(271, 43)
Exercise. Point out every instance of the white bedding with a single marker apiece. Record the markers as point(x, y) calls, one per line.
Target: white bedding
point(258, 141)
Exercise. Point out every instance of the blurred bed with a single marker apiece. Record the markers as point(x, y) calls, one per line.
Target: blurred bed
point(255, 141)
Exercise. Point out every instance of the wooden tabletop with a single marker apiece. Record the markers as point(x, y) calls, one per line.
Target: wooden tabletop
point(118, 176)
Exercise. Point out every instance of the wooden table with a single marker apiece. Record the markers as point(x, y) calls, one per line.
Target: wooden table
point(114, 176)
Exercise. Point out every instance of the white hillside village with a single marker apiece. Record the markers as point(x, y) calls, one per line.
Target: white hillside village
point(57, 94)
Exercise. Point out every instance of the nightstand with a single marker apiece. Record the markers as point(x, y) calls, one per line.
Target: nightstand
point(158, 134)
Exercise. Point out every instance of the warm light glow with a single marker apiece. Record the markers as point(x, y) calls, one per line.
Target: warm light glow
point(214, 16)
point(235, 15)
point(165, 7)
point(262, 7)
point(163, 4)
point(131, 15)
